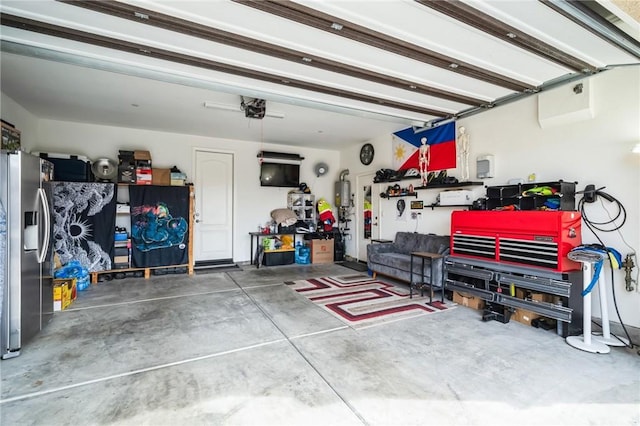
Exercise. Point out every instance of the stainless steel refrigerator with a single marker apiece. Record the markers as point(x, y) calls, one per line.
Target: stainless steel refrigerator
point(27, 284)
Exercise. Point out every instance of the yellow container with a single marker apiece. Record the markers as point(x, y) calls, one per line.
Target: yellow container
point(64, 292)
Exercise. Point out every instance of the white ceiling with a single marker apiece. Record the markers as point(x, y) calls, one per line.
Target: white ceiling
point(59, 78)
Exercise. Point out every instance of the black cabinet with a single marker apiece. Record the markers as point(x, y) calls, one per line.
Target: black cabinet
point(504, 285)
point(558, 195)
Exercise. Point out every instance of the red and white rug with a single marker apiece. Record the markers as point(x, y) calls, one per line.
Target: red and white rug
point(361, 301)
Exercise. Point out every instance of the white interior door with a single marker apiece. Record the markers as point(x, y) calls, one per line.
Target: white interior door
point(367, 212)
point(213, 224)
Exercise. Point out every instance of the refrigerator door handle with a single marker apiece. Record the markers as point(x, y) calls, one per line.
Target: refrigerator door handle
point(46, 218)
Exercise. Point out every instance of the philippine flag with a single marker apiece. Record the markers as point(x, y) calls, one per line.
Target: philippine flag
point(442, 145)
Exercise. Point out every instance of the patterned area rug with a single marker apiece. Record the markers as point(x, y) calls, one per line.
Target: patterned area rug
point(360, 301)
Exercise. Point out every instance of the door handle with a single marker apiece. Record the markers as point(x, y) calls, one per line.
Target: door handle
point(47, 225)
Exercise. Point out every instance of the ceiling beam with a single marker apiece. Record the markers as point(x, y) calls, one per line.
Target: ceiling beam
point(504, 32)
point(194, 29)
point(152, 52)
point(316, 19)
point(580, 13)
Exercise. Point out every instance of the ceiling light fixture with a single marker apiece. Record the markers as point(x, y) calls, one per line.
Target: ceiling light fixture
point(336, 26)
point(223, 107)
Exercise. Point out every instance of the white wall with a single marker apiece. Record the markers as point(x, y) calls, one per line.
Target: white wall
point(15, 114)
point(252, 203)
point(596, 151)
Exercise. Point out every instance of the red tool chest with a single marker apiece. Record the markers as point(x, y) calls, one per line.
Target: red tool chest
point(532, 238)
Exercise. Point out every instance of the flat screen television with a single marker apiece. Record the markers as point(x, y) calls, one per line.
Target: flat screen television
point(280, 174)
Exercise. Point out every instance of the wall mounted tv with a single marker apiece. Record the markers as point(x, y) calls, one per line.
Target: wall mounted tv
point(280, 174)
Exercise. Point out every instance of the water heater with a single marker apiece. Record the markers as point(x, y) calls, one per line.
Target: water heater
point(343, 190)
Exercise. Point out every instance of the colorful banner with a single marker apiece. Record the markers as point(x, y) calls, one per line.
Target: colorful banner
point(159, 225)
point(442, 146)
point(84, 217)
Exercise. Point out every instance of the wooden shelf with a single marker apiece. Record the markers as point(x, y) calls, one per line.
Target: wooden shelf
point(147, 271)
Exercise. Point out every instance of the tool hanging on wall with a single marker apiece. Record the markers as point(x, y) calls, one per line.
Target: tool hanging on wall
point(591, 194)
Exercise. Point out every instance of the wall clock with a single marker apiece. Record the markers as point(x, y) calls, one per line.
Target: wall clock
point(366, 154)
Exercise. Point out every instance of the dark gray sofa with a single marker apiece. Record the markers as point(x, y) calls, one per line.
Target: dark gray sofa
point(394, 260)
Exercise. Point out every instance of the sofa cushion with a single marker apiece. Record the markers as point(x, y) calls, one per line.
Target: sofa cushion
point(434, 244)
point(407, 242)
point(392, 260)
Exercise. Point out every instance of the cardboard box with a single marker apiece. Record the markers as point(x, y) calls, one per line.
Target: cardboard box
point(10, 137)
point(144, 176)
point(64, 292)
point(178, 179)
point(161, 176)
point(142, 158)
point(321, 251)
point(461, 197)
point(534, 296)
point(525, 316)
point(464, 299)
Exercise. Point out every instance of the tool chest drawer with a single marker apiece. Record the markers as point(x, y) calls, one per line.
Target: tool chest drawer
point(550, 294)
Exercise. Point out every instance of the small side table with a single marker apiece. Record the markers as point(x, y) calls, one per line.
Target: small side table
point(422, 255)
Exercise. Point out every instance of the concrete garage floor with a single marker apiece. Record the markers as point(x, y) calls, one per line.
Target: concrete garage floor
point(243, 348)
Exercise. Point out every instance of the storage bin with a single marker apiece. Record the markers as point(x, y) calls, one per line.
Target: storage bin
point(503, 191)
point(279, 257)
point(69, 168)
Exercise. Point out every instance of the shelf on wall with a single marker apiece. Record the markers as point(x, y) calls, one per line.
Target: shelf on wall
point(398, 179)
point(434, 205)
point(449, 185)
point(411, 194)
point(280, 155)
point(432, 186)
